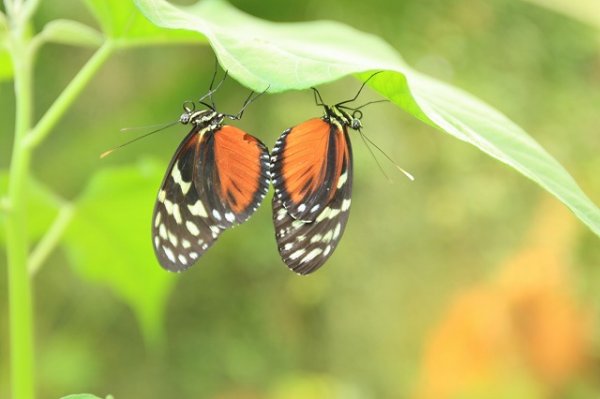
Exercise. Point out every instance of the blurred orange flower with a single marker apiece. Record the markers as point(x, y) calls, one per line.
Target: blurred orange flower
point(521, 334)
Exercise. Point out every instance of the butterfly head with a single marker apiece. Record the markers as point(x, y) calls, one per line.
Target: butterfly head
point(196, 117)
point(342, 115)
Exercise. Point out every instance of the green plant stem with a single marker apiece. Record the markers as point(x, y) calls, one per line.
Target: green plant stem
point(51, 238)
point(8, 4)
point(68, 95)
point(29, 8)
point(17, 243)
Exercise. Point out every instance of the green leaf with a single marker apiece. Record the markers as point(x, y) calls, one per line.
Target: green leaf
point(109, 241)
point(83, 396)
point(468, 119)
point(122, 20)
point(75, 33)
point(283, 55)
point(311, 53)
point(42, 207)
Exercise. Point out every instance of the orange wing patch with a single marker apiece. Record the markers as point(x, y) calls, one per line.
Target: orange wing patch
point(239, 162)
point(304, 158)
point(307, 163)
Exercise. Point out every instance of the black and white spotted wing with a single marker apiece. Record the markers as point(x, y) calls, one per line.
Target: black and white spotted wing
point(217, 178)
point(305, 244)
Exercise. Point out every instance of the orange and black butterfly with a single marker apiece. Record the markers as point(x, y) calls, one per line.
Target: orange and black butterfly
point(311, 171)
point(217, 178)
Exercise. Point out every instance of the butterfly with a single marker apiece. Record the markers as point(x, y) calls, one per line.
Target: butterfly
point(311, 171)
point(217, 178)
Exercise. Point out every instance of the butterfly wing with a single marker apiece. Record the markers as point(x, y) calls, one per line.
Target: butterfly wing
point(232, 176)
point(180, 235)
point(306, 163)
point(305, 245)
point(196, 201)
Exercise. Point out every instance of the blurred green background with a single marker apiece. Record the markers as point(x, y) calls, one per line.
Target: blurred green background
point(471, 282)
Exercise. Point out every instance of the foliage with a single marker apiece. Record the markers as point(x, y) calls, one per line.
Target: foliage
point(312, 53)
point(90, 227)
point(84, 396)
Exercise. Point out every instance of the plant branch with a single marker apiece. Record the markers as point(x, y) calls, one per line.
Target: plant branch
point(20, 11)
point(68, 95)
point(50, 239)
point(29, 8)
point(17, 243)
point(8, 5)
point(17, 240)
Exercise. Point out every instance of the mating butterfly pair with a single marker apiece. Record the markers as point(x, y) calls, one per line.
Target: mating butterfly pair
point(219, 175)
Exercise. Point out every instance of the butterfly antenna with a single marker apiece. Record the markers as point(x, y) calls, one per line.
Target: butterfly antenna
point(318, 98)
point(212, 90)
point(249, 100)
point(214, 76)
point(107, 153)
point(404, 171)
point(158, 126)
point(372, 102)
point(362, 136)
point(360, 89)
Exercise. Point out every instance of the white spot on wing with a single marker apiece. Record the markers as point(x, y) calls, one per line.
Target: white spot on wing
point(297, 224)
point(342, 179)
point(192, 228)
point(162, 194)
point(229, 216)
point(157, 219)
point(172, 238)
point(281, 214)
point(336, 232)
point(345, 205)
point(323, 214)
point(311, 255)
point(176, 175)
point(186, 244)
point(334, 213)
point(198, 209)
point(315, 238)
point(162, 231)
point(216, 214)
point(327, 250)
point(297, 254)
point(169, 253)
point(177, 214)
point(169, 206)
point(182, 259)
